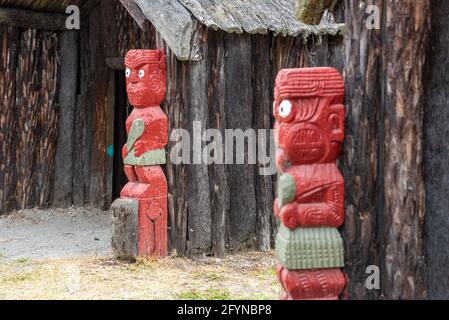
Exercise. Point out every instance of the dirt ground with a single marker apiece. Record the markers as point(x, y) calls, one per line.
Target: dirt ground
point(65, 254)
point(55, 233)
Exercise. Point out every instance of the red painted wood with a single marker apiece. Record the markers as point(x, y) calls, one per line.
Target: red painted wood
point(309, 133)
point(326, 284)
point(319, 197)
point(146, 88)
point(312, 131)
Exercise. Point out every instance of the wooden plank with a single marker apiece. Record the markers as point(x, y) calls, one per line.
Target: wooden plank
point(262, 108)
point(173, 22)
point(436, 153)
point(116, 63)
point(9, 45)
point(32, 20)
point(82, 126)
point(175, 106)
point(198, 191)
point(239, 113)
point(360, 162)
point(405, 44)
point(63, 175)
point(219, 189)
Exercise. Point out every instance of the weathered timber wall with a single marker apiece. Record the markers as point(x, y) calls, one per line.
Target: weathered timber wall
point(29, 75)
point(436, 152)
point(221, 208)
point(383, 158)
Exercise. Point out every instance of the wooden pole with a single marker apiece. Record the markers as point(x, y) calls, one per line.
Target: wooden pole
point(383, 148)
point(63, 181)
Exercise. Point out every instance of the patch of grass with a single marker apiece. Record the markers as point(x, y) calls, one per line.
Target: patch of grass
point(208, 294)
point(21, 261)
point(167, 278)
point(18, 278)
point(209, 276)
point(265, 272)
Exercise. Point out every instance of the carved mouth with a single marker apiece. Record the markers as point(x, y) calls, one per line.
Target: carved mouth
point(306, 145)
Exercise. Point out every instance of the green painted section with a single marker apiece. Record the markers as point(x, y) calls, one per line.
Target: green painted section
point(286, 190)
point(137, 129)
point(149, 158)
point(309, 248)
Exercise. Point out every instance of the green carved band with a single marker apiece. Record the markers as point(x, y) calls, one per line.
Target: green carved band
point(149, 158)
point(309, 248)
point(286, 190)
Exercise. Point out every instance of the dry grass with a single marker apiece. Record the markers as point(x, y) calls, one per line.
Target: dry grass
point(244, 276)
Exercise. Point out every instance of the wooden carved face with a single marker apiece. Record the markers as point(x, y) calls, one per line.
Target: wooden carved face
point(145, 77)
point(310, 115)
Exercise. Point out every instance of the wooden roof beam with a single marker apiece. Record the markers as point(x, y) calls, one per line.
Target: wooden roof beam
point(136, 13)
point(29, 19)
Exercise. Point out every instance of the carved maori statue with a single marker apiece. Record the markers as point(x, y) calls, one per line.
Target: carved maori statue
point(140, 215)
point(309, 133)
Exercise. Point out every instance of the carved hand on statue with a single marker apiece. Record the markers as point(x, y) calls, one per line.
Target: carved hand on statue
point(313, 215)
point(140, 147)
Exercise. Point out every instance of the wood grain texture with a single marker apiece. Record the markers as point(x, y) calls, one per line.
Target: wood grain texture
point(63, 176)
point(256, 17)
point(29, 117)
point(361, 166)
point(405, 40)
point(172, 21)
point(383, 150)
point(239, 114)
point(436, 153)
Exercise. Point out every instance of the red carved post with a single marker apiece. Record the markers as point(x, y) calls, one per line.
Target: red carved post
point(140, 216)
point(309, 133)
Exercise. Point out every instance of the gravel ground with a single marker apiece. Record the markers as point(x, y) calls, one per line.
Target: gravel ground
point(54, 234)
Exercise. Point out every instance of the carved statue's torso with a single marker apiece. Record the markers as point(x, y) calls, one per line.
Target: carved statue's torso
point(147, 136)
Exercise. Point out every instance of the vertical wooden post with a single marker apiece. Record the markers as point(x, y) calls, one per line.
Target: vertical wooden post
point(63, 181)
point(383, 149)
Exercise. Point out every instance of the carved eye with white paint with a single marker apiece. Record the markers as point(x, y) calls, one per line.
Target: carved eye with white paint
point(285, 109)
point(141, 73)
point(128, 72)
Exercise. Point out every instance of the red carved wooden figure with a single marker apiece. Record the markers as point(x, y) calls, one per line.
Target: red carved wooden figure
point(309, 133)
point(147, 128)
point(325, 284)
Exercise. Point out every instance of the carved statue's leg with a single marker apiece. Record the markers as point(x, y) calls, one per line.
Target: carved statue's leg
point(129, 189)
point(153, 211)
point(160, 227)
point(146, 236)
